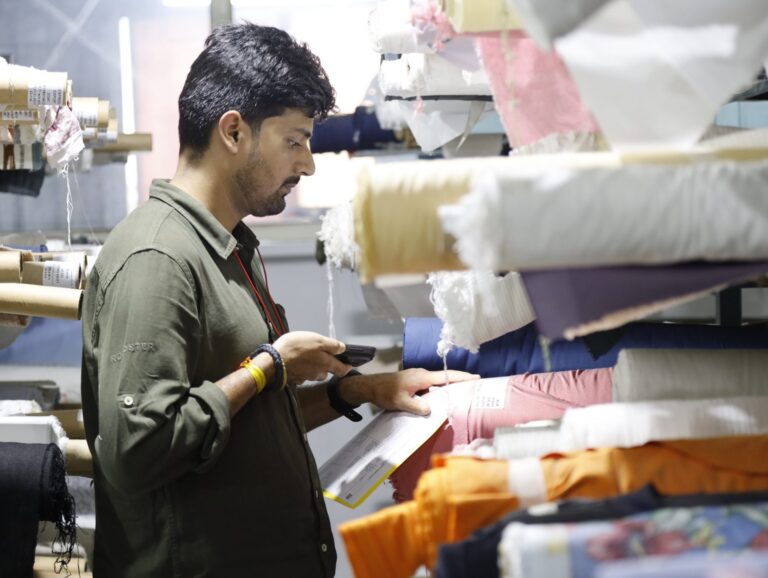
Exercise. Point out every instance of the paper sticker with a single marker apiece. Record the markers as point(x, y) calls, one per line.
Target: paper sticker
point(46, 88)
point(20, 115)
point(61, 274)
point(358, 468)
point(490, 394)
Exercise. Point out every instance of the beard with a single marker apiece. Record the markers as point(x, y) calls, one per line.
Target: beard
point(252, 182)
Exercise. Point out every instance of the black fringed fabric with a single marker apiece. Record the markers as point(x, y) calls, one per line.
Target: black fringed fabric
point(33, 489)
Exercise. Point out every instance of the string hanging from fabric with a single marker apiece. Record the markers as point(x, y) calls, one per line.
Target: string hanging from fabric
point(94, 238)
point(331, 324)
point(64, 172)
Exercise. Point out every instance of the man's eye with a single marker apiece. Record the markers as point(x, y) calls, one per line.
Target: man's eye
point(293, 144)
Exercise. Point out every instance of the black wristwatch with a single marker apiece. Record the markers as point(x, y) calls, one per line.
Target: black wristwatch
point(341, 406)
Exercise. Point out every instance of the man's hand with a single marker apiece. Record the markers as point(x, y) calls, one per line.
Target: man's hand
point(395, 391)
point(310, 356)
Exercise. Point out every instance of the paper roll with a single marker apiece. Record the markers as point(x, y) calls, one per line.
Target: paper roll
point(86, 109)
point(21, 299)
point(67, 274)
point(11, 263)
point(135, 142)
point(103, 118)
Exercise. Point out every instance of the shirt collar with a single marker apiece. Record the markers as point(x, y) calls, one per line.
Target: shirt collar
point(207, 226)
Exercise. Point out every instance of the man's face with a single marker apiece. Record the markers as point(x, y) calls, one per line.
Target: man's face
point(278, 158)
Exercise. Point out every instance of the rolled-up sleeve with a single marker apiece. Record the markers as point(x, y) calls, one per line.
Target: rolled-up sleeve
point(154, 425)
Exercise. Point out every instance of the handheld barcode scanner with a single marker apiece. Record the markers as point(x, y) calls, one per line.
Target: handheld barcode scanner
point(356, 355)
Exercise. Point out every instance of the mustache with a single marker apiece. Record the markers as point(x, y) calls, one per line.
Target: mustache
point(291, 181)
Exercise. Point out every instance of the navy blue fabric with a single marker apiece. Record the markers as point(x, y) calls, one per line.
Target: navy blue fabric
point(46, 341)
point(520, 351)
point(350, 132)
point(477, 556)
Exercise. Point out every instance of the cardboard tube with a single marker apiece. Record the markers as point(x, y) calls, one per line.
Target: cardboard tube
point(10, 266)
point(15, 321)
point(20, 115)
point(103, 118)
point(37, 301)
point(65, 274)
point(86, 109)
point(135, 142)
point(14, 86)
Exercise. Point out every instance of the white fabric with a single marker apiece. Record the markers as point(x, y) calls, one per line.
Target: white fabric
point(563, 217)
point(337, 232)
point(526, 481)
point(533, 439)
point(436, 122)
point(391, 29)
point(652, 374)
point(521, 548)
point(415, 75)
point(477, 306)
point(569, 142)
point(654, 72)
point(625, 425)
point(546, 20)
point(19, 407)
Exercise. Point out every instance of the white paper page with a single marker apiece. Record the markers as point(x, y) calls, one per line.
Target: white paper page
point(357, 469)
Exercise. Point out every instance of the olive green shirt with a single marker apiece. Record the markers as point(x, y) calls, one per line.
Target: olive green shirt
point(182, 489)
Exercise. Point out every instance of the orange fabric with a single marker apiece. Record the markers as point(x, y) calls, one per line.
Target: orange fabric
point(461, 494)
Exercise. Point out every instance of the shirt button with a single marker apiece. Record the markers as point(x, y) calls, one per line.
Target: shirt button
point(128, 401)
point(317, 495)
point(324, 547)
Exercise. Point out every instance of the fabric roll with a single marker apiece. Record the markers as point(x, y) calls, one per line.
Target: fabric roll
point(574, 302)
point(547, 20)
point(644, 375)
point(471, 16)
point(25, 183)
point(532, 90)
point(44, 393)
point(20, 299)
point(14, 321)
point(743, 564)
point(477, 409)
point(395, 208)
point(636, 423)
point(478, 306)
point(521, 352)
point(391, 30)
point(359, 131)
point(421, 75)
point(632, 215)
point(579, 550)
point(9, 407)
point(478, 554)
point(459, 495)
point(695, 54)
point(32, 489)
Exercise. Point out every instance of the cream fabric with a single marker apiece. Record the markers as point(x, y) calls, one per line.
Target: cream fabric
point(612, 216)
point(415, 75)
point(651, 374)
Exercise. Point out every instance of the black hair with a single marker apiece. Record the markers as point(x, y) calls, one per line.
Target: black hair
point(258, 71)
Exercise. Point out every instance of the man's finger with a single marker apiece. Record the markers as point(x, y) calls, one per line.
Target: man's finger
point(332, 346)
point(338, 368)
point(438, 377)
point(414, 405)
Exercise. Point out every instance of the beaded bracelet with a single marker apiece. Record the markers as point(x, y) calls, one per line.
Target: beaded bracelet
point(281, 375)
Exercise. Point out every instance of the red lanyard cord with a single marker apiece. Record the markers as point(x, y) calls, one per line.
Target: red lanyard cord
point(278, 327)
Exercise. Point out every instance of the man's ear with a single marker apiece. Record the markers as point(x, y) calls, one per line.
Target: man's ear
point(229, 130)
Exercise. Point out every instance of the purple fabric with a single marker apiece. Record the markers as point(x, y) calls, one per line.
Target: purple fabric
point(567, 298)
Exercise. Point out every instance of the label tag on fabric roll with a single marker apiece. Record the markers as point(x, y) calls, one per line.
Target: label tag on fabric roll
point(46, 88)
point(490, 394)
point(20, 114)
point(358, 468)
point(61, 274)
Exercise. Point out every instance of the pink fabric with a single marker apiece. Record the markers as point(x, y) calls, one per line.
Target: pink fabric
point(529, 397)
point(533, 91)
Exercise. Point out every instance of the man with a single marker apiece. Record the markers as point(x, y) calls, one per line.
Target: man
point(201, 466)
